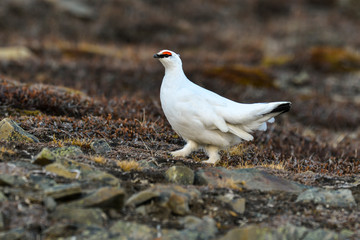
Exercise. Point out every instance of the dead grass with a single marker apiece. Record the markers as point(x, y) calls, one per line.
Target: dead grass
point(6, 151)
point(98, 159)
point(127, 166)
point(231, 183)
point(83, 143)
point(277, 166)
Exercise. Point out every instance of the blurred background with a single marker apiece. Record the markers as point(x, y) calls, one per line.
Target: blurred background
point(305, 51)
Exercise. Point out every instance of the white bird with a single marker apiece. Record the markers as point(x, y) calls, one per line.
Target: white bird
point(205, 119)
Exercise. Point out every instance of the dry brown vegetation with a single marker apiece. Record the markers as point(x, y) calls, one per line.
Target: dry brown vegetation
point(84, 77)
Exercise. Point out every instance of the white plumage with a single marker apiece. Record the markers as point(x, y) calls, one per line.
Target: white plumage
point(206, 119)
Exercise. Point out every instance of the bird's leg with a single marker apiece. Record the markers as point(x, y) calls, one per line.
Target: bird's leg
point(188, 148)
point(213, 153)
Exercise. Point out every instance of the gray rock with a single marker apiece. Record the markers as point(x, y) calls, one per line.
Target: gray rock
point(148, 164)
point(63, 190)
point(50, 204)
point(135, 231)
point(249, 178)
point(94, 233)
point(11, 131)
point(336, 198)
point(62, 171)
point(74, 165)
point(2, 197)
point(100, 178)
point(11, 180)
point(106, 198)
point(89, 216)
point(238, 205)
point(2, 224)
point(15, 234)
point(100, 146)
point(44, 157)
point(41, 182)
point(61, 230)
point(78, 231)
point(167, 197)
point(68, 151)
point(285, 232)
point(194, 228)
point(350, 7)
point(180, 175)
point(47, 156)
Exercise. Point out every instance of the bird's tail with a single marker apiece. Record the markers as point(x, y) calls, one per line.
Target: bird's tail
point(282, 108)
point(260, 123)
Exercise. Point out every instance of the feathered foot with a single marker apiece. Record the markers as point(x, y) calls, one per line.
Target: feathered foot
point(213, 153)
point(188, 148)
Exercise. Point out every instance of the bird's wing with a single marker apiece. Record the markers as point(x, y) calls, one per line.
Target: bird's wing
point(217, 112)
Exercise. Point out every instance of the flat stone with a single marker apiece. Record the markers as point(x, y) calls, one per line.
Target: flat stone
point(63, 190)
point(131, 230)
point(11, 131)
point(50, 203)
point(45, 157)
point(2, 224)
point(81, 216)
point(59, 230)
point(249, 178)
point(62, 155)
point(172, 197)
point(68, 151)
point(41, 182)
point(238, 205)
point(194, 228)
point(100, 178)
point(95, 233)
point(62, 171)
point(180, 175)
point(11, 180)
point(2, 197)
point(15, 234)
point(336, 198)
point(287, 231)
point(106, 198)
point(74, 165)
point(100, 146)
point(148, 164)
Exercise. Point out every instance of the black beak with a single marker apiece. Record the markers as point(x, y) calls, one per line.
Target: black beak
point(161, 55)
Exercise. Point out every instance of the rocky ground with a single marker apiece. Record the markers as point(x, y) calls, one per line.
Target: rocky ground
point(84, 145)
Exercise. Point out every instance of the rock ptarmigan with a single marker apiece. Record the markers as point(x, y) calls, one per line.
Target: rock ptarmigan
point(205, 119)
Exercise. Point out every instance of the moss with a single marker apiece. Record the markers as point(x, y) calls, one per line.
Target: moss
point(334, 59)
point(241, 74)
point(62, 171)
point(276, 61)
point(11, 131)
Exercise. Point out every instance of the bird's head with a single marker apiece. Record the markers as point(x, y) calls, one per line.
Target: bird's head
point(169, 59)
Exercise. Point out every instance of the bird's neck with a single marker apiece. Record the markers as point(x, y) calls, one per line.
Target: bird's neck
point(175, 72)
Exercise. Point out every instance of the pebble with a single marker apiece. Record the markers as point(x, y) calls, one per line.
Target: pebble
point(11, 131)
point(105, 198)
point(100, 146)
point(180, 175)
point(249, 178)
point(336, 198)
